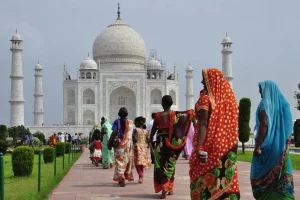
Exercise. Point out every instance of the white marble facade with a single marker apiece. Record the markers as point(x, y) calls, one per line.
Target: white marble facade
point(118, 75)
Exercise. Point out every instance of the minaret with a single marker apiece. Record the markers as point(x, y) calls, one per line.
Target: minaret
point(17, 97)
point(189, 88)
point(38, 96)
point(226, 59)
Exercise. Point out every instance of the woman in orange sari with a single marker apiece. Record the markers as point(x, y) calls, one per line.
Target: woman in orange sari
point(213, 167)
point(172, 129)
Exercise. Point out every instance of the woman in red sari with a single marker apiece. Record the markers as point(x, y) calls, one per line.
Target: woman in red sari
point(172, 131)
point(213, 167)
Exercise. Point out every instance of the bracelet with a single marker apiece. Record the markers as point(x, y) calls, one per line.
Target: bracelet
point(199, 148)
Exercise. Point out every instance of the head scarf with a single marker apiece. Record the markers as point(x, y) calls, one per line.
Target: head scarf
point(108, 126)
point(222, 133)
point(280, 127)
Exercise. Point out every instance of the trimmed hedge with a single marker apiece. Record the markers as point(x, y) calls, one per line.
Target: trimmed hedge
point(60, 148)
point(22, 161)
point(68, 147)
point(48, 155)
point(84, 142)
point(36, 141)
point(3, 146)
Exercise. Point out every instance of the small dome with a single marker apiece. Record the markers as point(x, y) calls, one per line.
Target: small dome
point(38, 67)
point(153, 64)
point(16, 37)
point(88, 63)
point(227, 40)
point(189, 67)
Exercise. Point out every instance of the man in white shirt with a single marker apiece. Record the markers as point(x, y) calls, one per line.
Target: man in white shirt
point(149, 128)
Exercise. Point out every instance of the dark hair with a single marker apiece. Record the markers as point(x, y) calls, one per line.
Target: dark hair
point(153, 115)
point(123, 112)
point(96, 134)
point(102, 118)
point(97, 137)
point(141, 120)
point(166, 101)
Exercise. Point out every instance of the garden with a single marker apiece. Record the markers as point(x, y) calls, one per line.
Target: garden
point(32, 172)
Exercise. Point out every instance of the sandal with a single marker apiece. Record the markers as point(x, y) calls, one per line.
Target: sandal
point(163, 194)
point(171, 192)
point(140, 179)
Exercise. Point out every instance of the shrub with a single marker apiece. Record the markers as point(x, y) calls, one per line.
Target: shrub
point(3, 146)
point(84, 142)
point(68, 148)
point(40, 135)
point(36, 141)
point(297, 133)
point(244, 119)
point(3, 132)
point(48, 155)
point(22, 161)
point(60, 148)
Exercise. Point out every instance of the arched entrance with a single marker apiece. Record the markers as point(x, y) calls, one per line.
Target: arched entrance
point(122, 97)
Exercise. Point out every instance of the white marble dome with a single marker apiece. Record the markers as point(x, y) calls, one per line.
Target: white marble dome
point(16, 37)
point(153, 64)
point(38, 67)
point(227, 40)
point(119, 43)
point(88, 63)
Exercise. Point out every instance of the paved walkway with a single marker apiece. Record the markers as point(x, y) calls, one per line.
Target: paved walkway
point(87, 182)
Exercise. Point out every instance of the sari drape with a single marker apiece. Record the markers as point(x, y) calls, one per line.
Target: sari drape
point(217, 178)
point(108, 155)
point(168, 148)
point(124, 153)
point(271, 171)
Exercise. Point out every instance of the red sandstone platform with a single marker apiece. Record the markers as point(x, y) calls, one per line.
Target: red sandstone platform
point(87, 182)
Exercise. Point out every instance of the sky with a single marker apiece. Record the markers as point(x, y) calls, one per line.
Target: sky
point(265, 36)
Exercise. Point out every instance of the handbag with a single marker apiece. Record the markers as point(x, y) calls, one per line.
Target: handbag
point(114, 139)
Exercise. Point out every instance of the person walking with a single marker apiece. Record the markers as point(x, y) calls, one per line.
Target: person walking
point(141, 148)
point(271, 169)
point(121, 140)
point(107, 155)
point(149, 128)
point(172, 129)
point(213, 163)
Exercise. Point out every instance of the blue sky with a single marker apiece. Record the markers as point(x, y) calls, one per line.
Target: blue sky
point(265, 37)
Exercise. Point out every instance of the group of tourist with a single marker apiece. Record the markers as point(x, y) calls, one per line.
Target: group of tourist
point(65, 137)
point(209, 137)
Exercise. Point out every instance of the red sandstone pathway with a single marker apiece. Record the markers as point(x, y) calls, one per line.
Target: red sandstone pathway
point(87, 182)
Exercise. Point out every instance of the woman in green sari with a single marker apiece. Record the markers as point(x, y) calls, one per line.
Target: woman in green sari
point(107, 155)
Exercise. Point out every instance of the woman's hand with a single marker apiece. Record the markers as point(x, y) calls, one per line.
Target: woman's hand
point(256, 152)
point(202, 156)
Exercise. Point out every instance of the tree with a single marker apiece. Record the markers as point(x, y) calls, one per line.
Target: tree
point(297, 133)
point(13, 133)
point(40, 136)
point(297, 97)
point(244, 119)
point(3, 132)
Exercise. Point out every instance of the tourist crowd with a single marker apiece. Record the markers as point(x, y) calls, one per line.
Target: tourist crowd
point(65, 137)
point(208, 137)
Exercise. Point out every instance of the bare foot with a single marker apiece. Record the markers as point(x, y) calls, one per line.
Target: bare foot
point(163, 194)
point(171, 192)
point(122, 184)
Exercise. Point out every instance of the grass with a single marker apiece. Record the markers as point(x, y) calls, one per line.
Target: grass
point(27, 187)
point(247, 157)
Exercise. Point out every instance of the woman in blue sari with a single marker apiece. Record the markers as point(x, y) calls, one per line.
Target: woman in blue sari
point(271, 168)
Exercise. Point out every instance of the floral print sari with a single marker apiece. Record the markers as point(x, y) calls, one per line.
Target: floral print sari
point(217, 178)
point(169, 146)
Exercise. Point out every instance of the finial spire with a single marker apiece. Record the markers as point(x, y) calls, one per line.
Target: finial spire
point(38, 62)
point(88, 54)
point(226, 34)
point(16, 31)
point(119, 11)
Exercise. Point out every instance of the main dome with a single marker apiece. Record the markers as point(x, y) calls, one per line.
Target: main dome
point(119, 43)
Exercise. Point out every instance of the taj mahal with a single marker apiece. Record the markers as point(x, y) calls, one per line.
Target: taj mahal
point(117, 74)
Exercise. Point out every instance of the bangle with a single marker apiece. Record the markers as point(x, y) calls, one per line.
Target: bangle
point(199, 148)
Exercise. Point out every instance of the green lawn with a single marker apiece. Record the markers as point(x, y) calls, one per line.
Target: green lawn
point(27, 187)
point(247, 157)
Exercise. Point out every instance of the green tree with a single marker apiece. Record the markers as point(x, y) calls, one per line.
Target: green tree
point(244, 119)
point(297, 97)
point(3, 132)
point(297, 133)
point(13, 133)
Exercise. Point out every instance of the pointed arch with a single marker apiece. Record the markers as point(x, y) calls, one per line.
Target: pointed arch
point(88, 96)
point(88, 117)
point(156, 96)
point(172, 93)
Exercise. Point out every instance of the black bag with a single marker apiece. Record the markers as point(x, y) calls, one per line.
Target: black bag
point(114, 139)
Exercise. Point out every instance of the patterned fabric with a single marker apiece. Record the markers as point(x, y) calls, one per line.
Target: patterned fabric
point(97, 155)
point(169, 146)
point(216, 179)
point(108, 155)
point(271, 171)
point(188, 148)
point(124, 155)
point(141, 150)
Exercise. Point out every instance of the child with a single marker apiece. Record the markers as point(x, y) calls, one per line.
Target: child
point(97, 157)
point(140, 144)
